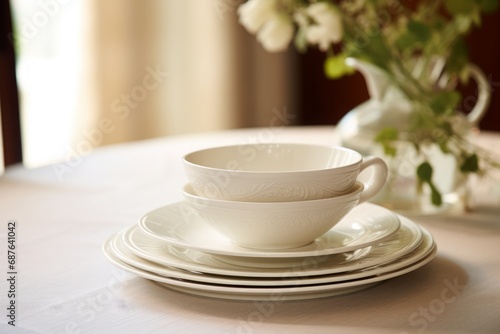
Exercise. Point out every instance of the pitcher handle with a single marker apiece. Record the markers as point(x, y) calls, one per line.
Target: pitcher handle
point(483, 96)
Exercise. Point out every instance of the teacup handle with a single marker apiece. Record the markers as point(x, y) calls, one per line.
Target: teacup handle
point(483, 96)
point(377, 180)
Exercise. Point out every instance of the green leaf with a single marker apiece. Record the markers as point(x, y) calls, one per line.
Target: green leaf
point(386, 137)
point(335, 67)
point(447, 128)
point(377, 51)
point(436, 198)
point(443, 146)
point(470, 164)
point(406, 41)
point(445, 102)
point(420, 31)
point(438, 24)
point(488, 6)
point(387, 134)
point(424, 172)
point(463, 23)
point(416, 35)
point(459, 57)
point(457, 7)
point(441, 137)
point(389, 149)
point(476, 17)
point(300, 40)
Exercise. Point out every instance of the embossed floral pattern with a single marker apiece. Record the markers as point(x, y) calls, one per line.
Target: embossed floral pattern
point(272, 190)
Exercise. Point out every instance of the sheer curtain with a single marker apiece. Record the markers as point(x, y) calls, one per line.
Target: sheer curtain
point(49, 38)
point(95, 72)
point(165, 67)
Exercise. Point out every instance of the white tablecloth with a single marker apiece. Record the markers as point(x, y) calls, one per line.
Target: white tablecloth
point(65, 285)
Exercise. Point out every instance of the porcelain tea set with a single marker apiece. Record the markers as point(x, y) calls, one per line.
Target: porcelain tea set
point(285, 218)
point(279, 195)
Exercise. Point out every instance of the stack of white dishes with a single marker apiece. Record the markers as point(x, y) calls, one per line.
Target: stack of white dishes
point(262, 242)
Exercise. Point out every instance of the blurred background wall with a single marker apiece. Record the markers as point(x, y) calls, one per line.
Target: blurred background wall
point(93, 73)
point(103, 72)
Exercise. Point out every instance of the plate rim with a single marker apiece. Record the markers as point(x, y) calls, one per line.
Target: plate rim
point(252, 272)
point(255, 253)
point(240, 280)
point(229, 292)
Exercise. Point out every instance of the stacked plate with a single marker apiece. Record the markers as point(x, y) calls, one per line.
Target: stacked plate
point(179, 250)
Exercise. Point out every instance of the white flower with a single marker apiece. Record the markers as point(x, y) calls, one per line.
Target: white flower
point(255, 13)
point(328, 28)
point(276, 33)
point(301, 18)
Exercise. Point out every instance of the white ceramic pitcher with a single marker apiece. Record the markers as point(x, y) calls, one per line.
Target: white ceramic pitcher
point(389, 107)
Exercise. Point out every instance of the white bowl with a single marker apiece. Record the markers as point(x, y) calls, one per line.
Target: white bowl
point(273, 225)
point(280, 172)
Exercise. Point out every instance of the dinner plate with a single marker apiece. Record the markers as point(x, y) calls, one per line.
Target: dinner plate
point(274, 294)
point(177, 224)
point(118, 249)
point(404, 241)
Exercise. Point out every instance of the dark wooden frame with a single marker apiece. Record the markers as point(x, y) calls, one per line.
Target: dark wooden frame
point(9, 97)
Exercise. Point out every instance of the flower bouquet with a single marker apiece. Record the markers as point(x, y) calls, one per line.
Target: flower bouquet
point(415, 56)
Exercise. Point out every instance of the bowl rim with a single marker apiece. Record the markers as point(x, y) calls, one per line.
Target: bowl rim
point(300, 205)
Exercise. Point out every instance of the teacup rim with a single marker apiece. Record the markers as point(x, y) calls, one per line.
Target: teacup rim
point(249, 173)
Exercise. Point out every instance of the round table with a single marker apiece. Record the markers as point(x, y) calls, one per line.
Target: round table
point(63, 283)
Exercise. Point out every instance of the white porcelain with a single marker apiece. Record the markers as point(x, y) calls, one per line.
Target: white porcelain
point(400, 260)
point(295, 292)
point(178, 224)
point(273, 225)
point(280, 172)
point(406, 240)
point(235, 292)
point(298, 291)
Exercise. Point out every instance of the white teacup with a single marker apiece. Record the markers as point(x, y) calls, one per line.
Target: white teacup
point(280, 172)
point(273, 225)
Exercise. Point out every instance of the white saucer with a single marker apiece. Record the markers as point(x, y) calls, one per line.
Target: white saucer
point(276, 294)
point(120, 251)
point(177, 224)
point(404, 241)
